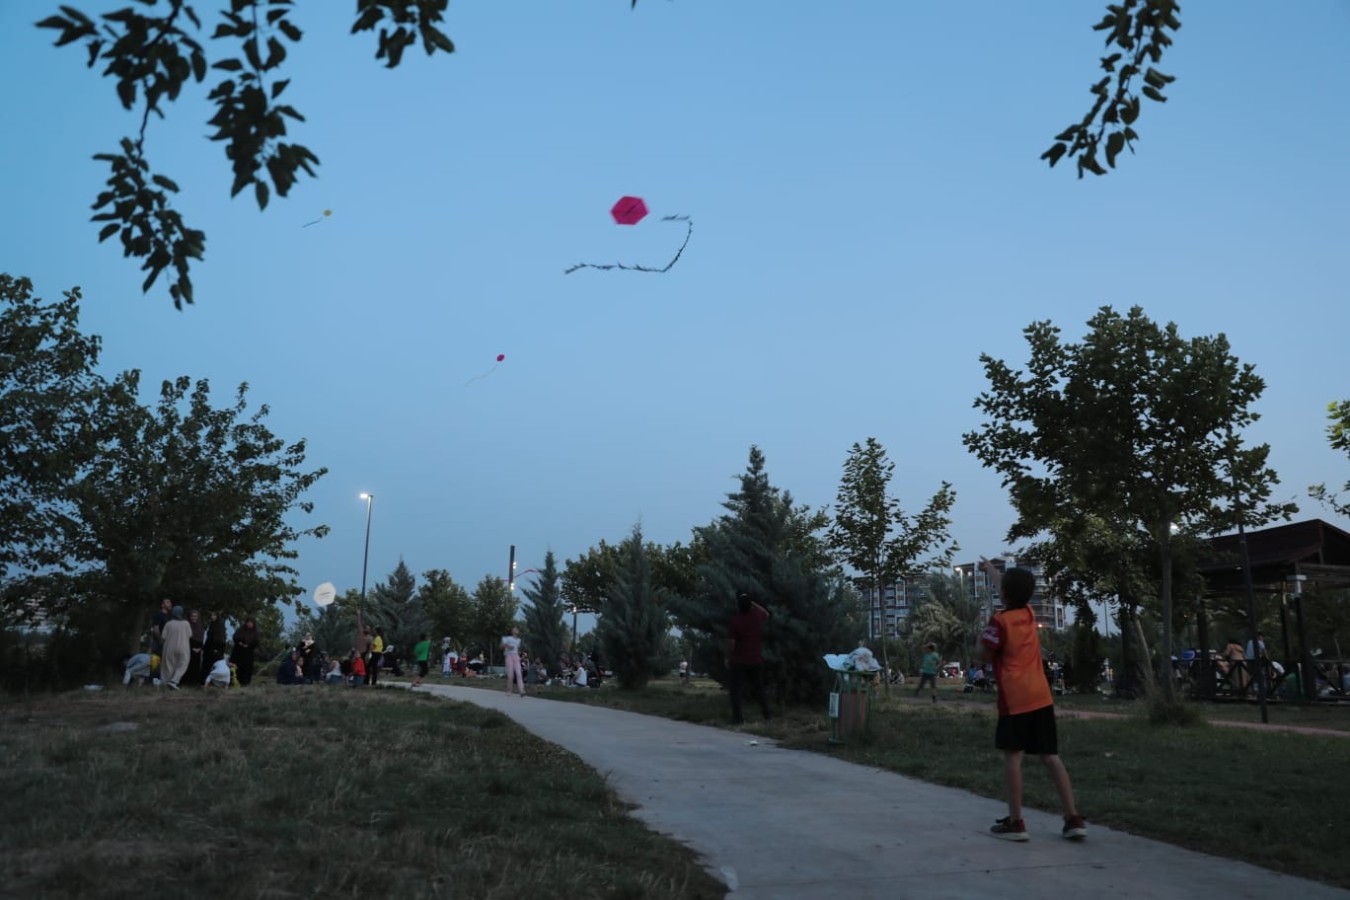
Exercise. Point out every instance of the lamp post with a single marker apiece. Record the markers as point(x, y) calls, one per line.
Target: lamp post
point(365, 560)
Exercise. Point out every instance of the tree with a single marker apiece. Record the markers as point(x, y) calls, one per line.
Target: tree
point(949, 616)
point(544, 632)
point(183, 500)
point(447, 604)
point(1135, 426)
point(772, 548)
point(333, 627)
point(586, 580)
point(1338, 435)
point(153, 55)
point(871, 533)
point(1139, 28)
point(397, 608)
point(633, 622)
point(47, 389)
point(494, 611)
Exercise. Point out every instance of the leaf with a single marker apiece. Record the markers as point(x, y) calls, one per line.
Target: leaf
point(292, 33)
point(228, 65)
point(107, 231)
point(1114, 144)
point(279, 86)
point(1055, 153)
point(260, 192)
point(1158, 79)
point(163, 181)
point(1129, 111)
point(1153, 94)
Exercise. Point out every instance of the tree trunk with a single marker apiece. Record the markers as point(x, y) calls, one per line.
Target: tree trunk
point(885, 654)
point(1165, 657)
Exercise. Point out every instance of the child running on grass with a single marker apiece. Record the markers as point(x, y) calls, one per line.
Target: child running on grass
point(1026, 708)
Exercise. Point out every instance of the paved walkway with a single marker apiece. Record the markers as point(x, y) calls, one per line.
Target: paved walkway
point(779, 824)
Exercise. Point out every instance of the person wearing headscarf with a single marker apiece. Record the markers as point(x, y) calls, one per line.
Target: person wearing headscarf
point(196, 671)
point(245, 642)
point(177, 649)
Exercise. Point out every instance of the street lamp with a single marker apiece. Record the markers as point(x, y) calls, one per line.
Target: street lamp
point(365, 561)
point(526, 572)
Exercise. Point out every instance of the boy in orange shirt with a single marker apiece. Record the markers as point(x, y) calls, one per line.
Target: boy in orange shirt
point(1026, 708)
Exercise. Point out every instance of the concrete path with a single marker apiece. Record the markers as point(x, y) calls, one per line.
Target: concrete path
point(779, 824)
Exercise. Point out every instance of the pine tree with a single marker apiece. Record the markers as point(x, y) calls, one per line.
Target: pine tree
point(633, 621)
point(398, 609)
point(544, 632)
point(772, 549)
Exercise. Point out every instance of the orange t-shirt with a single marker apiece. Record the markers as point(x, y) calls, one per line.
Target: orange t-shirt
point(1016, 647)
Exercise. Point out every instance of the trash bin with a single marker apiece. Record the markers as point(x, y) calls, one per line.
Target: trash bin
point(850, 705)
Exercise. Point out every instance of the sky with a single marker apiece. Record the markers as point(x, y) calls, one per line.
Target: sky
point(869, 216)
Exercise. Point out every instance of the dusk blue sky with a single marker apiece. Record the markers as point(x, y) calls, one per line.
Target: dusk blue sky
point(870, 214)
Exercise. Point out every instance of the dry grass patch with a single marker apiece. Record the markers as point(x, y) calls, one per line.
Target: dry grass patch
point(276, 792)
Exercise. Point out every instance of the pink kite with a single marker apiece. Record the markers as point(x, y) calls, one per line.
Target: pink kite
point(629, 211)
point(501, 357)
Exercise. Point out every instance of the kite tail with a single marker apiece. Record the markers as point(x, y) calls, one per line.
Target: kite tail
point(688, 233)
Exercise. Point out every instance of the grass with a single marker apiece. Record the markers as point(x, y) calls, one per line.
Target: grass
point(1275, 799)
point(275, 792)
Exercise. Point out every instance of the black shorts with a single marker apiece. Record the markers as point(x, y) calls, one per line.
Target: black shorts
point(1032, 732)
point(421, 668)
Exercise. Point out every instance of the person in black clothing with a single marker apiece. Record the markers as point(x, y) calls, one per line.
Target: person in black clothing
point(307, 660)
point(245, 643)
point(289, 672)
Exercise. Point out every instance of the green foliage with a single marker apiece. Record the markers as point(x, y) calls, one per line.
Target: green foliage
point(1338, 435)
point(872, 534)
point(153, 55)
point(493, 612)
point(333, 627)
point(1107, 444)
point(586, 579)
point(188, 501)
point(396, 606)
point(768, 546)
point(1085, 658)
point(447, 604)
point(1139, 28)
point(544, 632)
point(950, 616)
point(633, 622)
point(47, 391)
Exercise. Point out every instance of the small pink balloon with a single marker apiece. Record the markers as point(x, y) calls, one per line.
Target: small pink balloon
point(501, 356)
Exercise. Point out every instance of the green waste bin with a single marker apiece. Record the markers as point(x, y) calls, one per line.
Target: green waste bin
point(850, 705)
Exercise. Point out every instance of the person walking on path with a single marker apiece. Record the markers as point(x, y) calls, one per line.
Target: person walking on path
point(177, 641)
point(928, 670)
point(1026, 708)
point(511, 652)
point(745, 655)
point(421, 651)
point(245, 643)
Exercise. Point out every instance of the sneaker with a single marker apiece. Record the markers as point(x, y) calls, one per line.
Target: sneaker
point(1010, 829)
point(1075, 828)
point(172, 685)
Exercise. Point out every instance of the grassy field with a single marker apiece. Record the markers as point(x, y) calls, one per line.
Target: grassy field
point(303, 792)
point(1275, 799)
